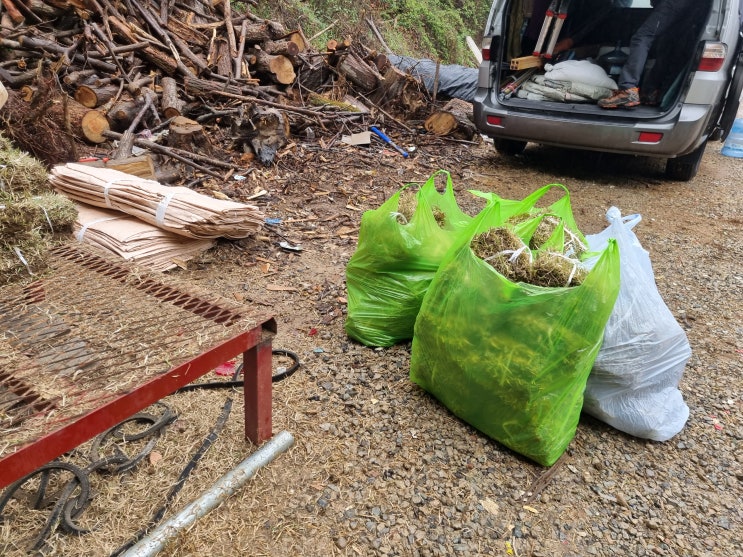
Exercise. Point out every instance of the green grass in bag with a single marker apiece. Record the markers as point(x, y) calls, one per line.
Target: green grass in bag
point(512, 359)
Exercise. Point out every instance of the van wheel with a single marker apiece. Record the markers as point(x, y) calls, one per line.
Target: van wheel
point(509, 147)
point(684, 168)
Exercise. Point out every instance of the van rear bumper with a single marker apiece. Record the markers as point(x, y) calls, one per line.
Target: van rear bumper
point(683, 129)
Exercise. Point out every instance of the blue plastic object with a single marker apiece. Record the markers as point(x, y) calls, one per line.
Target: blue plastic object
point(734, 143)
point(388, 141)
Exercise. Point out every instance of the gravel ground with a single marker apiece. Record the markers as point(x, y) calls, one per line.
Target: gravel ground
point(381, 468)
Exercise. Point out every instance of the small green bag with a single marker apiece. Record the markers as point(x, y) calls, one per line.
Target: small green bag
point(512, 359)
point(395, 261)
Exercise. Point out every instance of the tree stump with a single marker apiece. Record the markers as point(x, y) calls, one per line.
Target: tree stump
point(188, 135)
point(402, 91)
point(265, 131)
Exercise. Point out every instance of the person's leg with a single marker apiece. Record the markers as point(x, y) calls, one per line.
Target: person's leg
point(662, 19)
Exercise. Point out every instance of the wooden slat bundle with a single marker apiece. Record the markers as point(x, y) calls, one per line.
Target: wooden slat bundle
point(135, 240)
point(177, 209)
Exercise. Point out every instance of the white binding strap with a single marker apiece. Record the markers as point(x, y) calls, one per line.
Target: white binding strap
point(107, 199)
point(81, 233)
point(162, 207)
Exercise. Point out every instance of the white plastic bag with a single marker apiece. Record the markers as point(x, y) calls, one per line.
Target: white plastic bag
point(580, 71)
point(633, 385)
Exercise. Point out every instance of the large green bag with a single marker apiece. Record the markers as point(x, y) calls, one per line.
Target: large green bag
point(395, 261)
point(512, 359)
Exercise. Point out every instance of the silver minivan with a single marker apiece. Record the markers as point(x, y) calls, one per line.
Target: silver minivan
point(700, 68)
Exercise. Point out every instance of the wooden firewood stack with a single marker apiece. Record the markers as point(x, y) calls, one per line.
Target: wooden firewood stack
point(201, 59)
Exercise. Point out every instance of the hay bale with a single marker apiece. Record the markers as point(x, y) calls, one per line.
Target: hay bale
point(503, 250)
point(48, 213)
point(20, 172)
point(29, 226)
point(544, 231)
point(557, 270)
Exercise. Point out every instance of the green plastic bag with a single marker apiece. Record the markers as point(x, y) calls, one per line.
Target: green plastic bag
point(395, 261)
point(508, 208)
point(512, 359)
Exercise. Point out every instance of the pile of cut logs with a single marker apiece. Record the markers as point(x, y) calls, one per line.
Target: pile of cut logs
point(118, 72)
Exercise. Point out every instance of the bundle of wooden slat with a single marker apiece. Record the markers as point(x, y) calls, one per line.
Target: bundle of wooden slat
point(135, 240)
point(177, 209)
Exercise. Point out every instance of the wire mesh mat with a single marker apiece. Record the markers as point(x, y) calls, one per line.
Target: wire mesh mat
point(91, 330)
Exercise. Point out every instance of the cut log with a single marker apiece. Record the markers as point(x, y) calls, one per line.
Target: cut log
point(76, 77)
point(157, 57)
point(222, 59)
point(454, 120)
point(359, 72)
point(45, 10)
point(205, 87)
point(285, 48)
point(84, 123)
point(187, 33)
point(122, 113)
point(15, 15)
point(297, 37)
point(278, 68)
point(313, 74)
point(188, 135)
point(93, 97)
point(259, 32)
point(170, 103)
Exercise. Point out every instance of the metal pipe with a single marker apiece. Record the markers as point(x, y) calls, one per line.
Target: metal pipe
point(225, 486)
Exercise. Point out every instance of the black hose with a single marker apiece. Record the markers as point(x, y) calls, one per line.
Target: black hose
point(239, 382)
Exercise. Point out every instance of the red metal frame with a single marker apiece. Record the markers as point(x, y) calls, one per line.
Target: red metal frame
point(254, 345)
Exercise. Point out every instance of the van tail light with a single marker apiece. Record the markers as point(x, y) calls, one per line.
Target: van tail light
point(713, 57)
point(650, 137)
point(486, 50)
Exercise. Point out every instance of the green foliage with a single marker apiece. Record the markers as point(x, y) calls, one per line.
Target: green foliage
point(433, 29)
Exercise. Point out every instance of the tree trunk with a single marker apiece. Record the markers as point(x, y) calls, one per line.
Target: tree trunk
point(359, 72)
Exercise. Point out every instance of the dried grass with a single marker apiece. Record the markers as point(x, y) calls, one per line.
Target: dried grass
point(507, 253)
point(32, 218)
point(20, 172)
point(29, 227)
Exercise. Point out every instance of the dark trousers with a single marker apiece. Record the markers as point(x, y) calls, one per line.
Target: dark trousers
point(664, 18)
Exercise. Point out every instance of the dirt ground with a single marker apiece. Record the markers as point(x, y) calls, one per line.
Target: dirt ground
point(378, 467)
